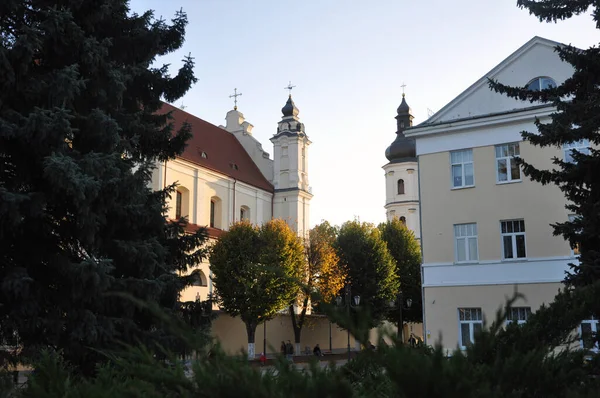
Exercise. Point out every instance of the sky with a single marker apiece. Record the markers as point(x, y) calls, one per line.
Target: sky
point(348, 60)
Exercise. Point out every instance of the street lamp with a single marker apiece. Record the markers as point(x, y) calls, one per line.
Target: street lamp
point(346, 301)
point(399, 303)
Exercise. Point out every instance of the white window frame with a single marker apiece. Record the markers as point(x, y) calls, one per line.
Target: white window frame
point(582, 146)
point(463, 163)
point(509, 161)
point(513, 236)
point(510, 313)
point(463, 234)
point(594, 326)
point(471, 322)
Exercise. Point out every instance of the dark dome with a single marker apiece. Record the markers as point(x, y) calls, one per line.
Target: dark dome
point(289, 109)
point(403, 108)
point(401, 149)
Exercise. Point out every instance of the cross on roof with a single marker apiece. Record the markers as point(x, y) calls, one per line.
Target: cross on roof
point(234, 96)
point(289, 87)
point(403, 85)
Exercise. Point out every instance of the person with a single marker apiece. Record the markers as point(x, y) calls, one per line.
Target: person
point(283, 348)
point(289, 350)
point(317, 351)
point(412, 340)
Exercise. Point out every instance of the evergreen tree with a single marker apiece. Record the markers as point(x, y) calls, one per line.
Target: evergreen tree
point(577, 102)
point(405, 249)
point(80, 132)
point(370, 266)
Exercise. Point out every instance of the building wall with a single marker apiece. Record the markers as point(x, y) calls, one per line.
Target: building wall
point(231, 333)
point(442, 304)
point(489, 202)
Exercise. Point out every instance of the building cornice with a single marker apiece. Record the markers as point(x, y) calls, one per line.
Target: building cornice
point(477, 122)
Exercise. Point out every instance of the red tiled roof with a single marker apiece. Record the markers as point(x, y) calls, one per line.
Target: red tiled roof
point(214, 233)
point(223, 151)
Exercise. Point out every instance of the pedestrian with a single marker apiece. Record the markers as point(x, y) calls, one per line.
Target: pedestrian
point(289, 349)
point(412, 341)
point(317, 351)
point(283, 349)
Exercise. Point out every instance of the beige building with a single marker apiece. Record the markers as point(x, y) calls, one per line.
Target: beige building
point(485, 227)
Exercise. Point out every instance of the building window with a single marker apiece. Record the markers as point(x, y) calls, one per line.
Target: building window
point(462, 168)
point(403, 220)
point(513, 239)
point(178, 204)
point(582, 146)
point(541, 83)
point(244, 213)
point(212, 213)
point(587, 330)
point(574, 250)
point(200, 279)
point(517, 314)
point(507, 168)
point(470, 321)
point(465, 238)
point(400, 187)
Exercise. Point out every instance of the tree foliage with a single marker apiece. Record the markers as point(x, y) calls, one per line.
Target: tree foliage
point(322, 276)
point(370, 266)
point(256, 271)
point(80, 131)
point(405, 249)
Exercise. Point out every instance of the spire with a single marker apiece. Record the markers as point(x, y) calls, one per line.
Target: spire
point(402, 149)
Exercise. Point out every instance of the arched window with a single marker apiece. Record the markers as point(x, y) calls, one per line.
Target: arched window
point(403, 220)
point(400, 187)
point(541, 83)
point(182, 202)
point(244, 213)
point(200, 279)
point(215, 212)
point(178, 201)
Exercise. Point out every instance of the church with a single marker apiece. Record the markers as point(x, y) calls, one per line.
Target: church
point(225, 176)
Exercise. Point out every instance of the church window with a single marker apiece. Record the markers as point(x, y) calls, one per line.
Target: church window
point(462, 168)
point(244, 213)
point(403, 220)
point(178, 203)
point(541, 83)
point(212, 213)
point(200, 279)
point(400, 187)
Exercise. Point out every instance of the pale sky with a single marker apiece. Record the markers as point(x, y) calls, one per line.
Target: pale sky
point(348, 60)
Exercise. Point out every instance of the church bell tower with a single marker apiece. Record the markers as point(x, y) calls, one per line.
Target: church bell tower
point(290, 174)
point(401, 174)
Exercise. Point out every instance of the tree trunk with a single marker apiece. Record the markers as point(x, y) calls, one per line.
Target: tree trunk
point(297, 324)
point(251, 331)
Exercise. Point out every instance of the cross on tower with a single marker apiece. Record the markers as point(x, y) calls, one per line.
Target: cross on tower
point(234, 96)
point(403, 85)
point(289, 87)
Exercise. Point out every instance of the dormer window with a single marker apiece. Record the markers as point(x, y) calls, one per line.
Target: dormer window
point(541, 83)
point(204, 155)
point(234, 166)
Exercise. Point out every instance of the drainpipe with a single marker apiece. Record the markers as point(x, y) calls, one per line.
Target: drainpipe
point(165, 177)
point(233, 218)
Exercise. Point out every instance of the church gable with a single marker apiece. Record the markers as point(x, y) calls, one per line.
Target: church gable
point(537, 58)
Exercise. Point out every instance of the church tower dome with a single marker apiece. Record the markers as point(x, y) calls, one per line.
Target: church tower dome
point(290, 109)
point(402, 149)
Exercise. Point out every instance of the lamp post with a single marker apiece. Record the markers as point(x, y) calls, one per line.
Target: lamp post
point(399, 304)
point(346, 301)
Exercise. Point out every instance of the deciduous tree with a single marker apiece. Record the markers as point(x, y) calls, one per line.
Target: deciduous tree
point(371, 268)
point(405, 249)
point(322, 276)
point(256, 272)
